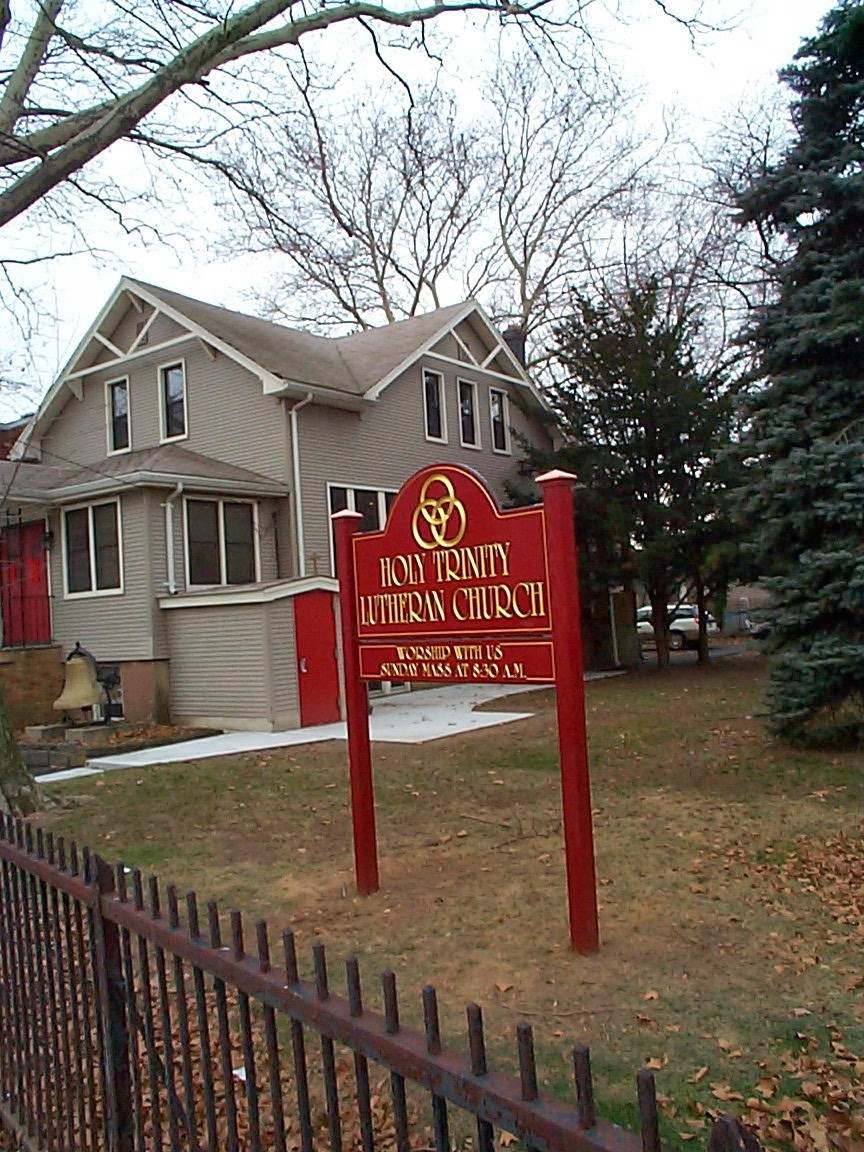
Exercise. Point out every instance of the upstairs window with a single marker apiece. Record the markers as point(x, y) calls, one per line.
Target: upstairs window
point(499, 419)
point(468, 430)
point(172, 387)
point(91, 545)
point(118, 415)
point(433, 403)
point(220, 542)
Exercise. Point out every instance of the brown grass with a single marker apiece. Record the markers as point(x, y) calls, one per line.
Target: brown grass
point(715, 950)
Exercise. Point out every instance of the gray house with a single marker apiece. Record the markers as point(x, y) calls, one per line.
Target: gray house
point(169, 503)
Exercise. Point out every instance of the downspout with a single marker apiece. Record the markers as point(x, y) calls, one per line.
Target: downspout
point(298, 499)
point(169, 537)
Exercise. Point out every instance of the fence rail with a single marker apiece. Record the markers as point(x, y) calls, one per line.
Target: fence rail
point(126, 1026)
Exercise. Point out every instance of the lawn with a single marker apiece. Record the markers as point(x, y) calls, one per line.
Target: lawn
point(731, 874)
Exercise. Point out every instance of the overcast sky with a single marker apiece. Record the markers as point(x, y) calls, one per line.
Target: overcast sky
point(703, 83)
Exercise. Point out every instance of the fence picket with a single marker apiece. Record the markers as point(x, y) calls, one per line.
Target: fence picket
point(93, 1035)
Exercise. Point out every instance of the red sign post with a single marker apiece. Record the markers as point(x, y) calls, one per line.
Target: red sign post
point(453, 590)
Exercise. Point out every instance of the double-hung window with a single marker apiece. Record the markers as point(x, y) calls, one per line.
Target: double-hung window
point(117, 397)
point(373, 504)
point(433, 406)
point(499, 419)
point(172, 400)
point(92, 559)
point(220, 542)
point(469, 431)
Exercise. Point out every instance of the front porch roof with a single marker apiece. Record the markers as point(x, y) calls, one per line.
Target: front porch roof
point(162, 467)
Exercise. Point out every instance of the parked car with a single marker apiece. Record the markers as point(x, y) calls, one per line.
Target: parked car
point(683, 629)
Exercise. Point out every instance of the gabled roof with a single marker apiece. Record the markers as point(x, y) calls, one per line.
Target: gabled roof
point(344, 371)
point(164, 466)
point(353, 364)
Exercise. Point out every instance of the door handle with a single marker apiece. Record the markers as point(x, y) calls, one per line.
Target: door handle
point(303, 667)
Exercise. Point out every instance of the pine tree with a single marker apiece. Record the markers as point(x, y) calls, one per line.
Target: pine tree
point(642, 427)
point(803, 501)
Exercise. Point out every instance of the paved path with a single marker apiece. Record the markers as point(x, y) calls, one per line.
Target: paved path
point(404, 718)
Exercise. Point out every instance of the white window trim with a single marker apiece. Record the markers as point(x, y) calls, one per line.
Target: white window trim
point(442, 400)
point(109, 423)
point(505, 416)
point(350, 486)
point(472, 384)
point(93, 593)
point(256, 545)
point(181, 363)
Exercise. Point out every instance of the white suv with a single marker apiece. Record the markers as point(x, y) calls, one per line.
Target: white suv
point(683, 631)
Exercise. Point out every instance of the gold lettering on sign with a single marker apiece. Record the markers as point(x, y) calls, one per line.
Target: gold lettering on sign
point(479, 562)
point(522, 601)
point(439, 520)
point(402, 608)
point(396, 571)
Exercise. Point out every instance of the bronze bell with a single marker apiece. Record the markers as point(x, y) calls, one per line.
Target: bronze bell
point(81, 689)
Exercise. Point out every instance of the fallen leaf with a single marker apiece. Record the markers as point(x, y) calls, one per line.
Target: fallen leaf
point(699, 1074)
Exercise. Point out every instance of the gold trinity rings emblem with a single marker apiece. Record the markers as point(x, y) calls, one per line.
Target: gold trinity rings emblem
point(439, 520)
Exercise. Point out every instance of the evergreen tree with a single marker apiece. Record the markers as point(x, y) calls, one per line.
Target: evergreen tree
point(642, 426)
point(803, 501)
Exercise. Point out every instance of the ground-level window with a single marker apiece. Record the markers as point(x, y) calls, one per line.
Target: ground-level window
point(172, 387)
point(220, 542)
point(433, 404)
point(118, 415)
point(373, 504)
point(498, 416)
point(91, 549)
point(468, 430)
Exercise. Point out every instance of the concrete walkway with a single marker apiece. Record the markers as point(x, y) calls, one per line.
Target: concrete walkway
point(404, 718)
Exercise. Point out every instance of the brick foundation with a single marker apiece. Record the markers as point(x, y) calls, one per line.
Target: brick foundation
point(32, 679)
point(145, 690)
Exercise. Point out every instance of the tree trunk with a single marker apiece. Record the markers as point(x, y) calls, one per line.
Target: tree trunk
point(20, 795)
point(702, 610)
point(658, 620)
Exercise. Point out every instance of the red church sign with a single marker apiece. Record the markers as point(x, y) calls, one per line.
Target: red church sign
point(454, 590)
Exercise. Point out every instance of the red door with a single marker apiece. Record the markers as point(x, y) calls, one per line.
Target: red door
point(317, 670)
point(24, 585)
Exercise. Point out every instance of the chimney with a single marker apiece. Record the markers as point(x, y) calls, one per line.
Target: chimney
point(514, 338)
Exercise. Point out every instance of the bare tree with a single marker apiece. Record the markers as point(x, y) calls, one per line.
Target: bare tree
point(78, 78)
point(379, 211)
point(371, 209)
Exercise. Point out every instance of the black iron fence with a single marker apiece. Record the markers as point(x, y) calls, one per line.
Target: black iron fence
point(128, 1022)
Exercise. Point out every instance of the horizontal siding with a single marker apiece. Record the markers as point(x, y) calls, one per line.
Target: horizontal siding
point(157, 547)
point(219, 662)
point(228, 416)
point(384, 444)
point(283, 659)
point(111, 627)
